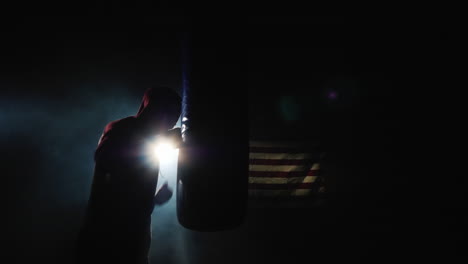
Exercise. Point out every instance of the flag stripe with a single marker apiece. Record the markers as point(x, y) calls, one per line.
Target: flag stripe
point(279, 156)
point(276, 193)
point(279, 168)
point(280, 162)
point(278, 180)
point(284, 169)
point(277, 174)
point(280, 186)
point(285, 144)
point(277, 150)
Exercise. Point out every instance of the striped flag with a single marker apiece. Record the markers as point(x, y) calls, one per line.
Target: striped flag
point(284, 169)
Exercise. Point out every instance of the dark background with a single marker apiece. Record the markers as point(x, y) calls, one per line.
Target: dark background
point(359, 85)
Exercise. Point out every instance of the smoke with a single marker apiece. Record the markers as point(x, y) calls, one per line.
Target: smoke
point(47, 160)
point(52, 113)
point(47, 149)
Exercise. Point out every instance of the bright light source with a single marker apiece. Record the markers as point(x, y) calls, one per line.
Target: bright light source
point(162, 155)
point(162, 151)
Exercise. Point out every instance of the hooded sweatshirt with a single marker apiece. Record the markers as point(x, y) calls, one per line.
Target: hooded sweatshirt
point(124, 183)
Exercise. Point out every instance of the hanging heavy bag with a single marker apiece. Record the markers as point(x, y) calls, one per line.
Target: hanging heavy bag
point(213, 157)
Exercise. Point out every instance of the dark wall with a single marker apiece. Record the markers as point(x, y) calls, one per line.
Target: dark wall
point(62, 81)
point(342, 80)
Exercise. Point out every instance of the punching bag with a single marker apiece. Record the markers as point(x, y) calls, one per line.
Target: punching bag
point(212, 178)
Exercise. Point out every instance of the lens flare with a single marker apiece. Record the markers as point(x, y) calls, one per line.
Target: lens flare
point(163, 151)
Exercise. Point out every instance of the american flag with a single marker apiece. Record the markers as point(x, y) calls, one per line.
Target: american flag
point(284, 169)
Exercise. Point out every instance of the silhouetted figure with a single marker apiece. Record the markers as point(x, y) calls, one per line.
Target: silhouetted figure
point(117, 227)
